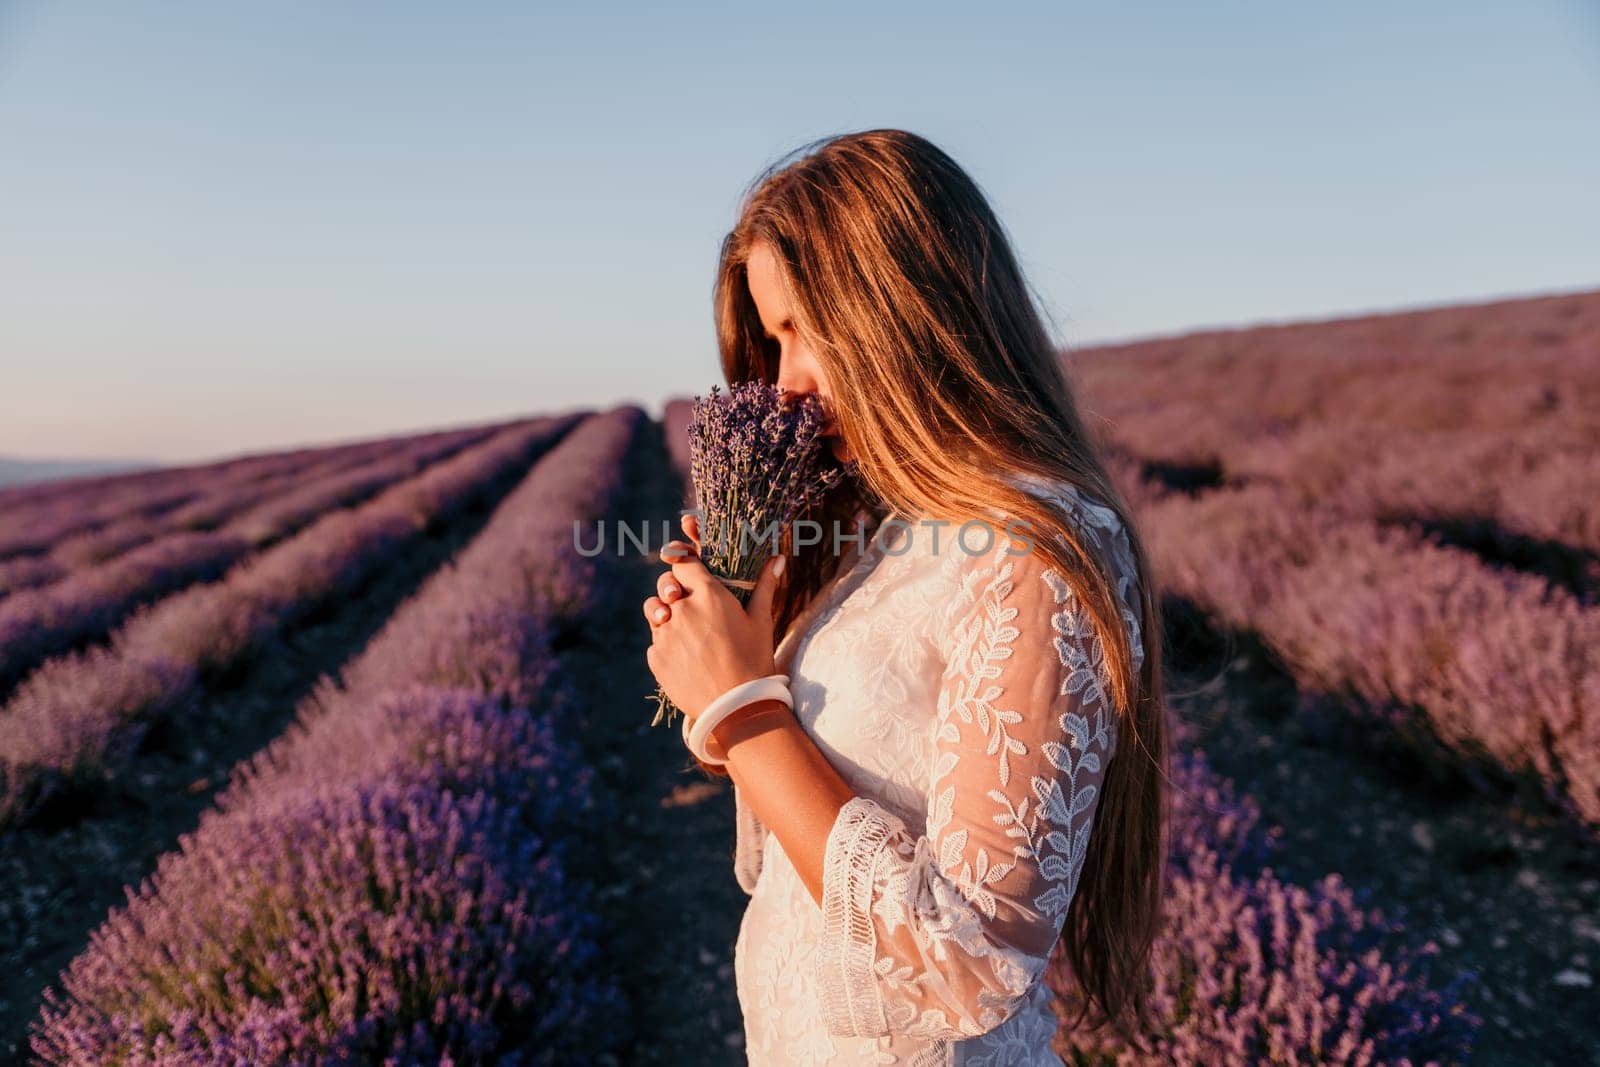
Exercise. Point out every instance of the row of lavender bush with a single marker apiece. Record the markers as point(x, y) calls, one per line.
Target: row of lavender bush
point(1250, 969)
point(21, 498)
point(39, 517)
point(214, 505)
point(675, 415)
point(82, 714)
point(1487, 413)
point(498, 598)
point(211, 505)
point(42, 515)
point(1499, 667)
point(390, 881)
point(88, 603)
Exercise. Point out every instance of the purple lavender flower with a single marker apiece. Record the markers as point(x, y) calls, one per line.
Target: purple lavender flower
point(757, 462)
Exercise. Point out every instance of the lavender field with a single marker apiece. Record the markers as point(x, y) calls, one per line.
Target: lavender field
point(342, 755)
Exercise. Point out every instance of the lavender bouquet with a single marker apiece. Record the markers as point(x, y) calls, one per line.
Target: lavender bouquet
point(756, 463)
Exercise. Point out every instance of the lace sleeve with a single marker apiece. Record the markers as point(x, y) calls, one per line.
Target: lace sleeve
point(943, 935)
point(750, 837)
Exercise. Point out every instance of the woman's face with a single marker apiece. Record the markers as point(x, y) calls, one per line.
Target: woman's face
point(799, 373)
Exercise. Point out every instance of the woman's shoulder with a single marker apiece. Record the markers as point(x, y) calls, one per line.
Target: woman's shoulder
point(1097, 520)
point(1081, 507)
point(1010, 537)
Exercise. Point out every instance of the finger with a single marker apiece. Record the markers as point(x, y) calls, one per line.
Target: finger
point(760, 604)
point(692, 575)
point(668, 589)
point(691, 527)
point(673, 551)
point(655, 612)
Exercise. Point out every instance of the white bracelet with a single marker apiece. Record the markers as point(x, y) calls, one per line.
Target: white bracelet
point(772, 687)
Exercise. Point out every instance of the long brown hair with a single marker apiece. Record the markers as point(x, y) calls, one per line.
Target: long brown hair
point(945, 381)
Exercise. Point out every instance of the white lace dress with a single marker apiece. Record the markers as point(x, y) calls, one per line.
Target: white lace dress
point(963, 696)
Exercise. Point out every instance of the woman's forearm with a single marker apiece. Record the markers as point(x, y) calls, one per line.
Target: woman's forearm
point(787, 781)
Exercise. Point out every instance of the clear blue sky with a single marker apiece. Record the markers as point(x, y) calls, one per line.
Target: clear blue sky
point(235, 226)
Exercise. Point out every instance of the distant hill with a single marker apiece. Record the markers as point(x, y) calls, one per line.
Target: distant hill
point(15, 471)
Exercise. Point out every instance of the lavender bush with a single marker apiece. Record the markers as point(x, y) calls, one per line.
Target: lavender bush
point(756, 463)
point(79, 716)
point(28, 572)
point(344, 485)
point(389, 878)
point(67, 515)
point(1482, 411)
point(91, 599)
point(1497, 669)
point(1312, 460)
point(675, 416)
point(484, 624)
point(1251, 970)
point(354, 925)
point(215, 502)
point(287, 503)
point(54, 513)
point(39, 623)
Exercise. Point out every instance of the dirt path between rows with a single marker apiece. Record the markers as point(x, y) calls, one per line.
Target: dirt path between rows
point(672, 905)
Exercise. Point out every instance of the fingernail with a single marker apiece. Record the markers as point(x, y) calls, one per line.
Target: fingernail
point(777, 568)
point(672, 590)
point(661, 614)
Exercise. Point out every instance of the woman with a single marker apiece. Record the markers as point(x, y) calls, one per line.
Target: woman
point(971, 777)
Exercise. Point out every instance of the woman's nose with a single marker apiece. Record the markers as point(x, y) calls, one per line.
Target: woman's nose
point(794, 384)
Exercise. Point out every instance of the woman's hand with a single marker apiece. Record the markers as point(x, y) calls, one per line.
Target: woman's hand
point(703, 642)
